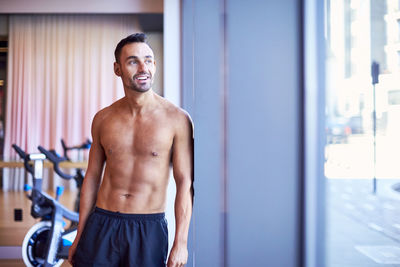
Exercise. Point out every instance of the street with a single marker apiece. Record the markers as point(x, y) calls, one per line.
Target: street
point(362, 229)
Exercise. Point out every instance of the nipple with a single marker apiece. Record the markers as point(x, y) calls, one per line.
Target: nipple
point(154, 154)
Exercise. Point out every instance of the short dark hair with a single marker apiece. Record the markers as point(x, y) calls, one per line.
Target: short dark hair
point(133, 38)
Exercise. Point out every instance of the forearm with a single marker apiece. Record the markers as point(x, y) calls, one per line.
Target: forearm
point(183, 211)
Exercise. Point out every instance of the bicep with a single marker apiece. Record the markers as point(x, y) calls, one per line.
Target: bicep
point(96, 160)
point(182, 154)
point(96, 153)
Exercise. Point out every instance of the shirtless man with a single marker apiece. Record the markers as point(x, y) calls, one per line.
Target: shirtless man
point(121, 220)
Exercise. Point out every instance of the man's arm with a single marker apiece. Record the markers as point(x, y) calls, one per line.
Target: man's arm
point(91, 183)
point(182, 160)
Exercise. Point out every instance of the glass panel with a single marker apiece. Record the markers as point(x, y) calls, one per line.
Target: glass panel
point(362, 149)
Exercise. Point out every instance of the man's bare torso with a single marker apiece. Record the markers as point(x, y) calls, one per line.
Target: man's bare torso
point(137, 150)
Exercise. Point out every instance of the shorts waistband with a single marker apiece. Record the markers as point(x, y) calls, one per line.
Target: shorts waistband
point(134, 216)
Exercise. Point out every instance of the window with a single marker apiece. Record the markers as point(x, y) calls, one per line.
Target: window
point(361, 153)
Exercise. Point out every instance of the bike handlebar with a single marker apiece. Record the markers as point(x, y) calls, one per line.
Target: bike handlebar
point(25, 157)
point(85, 145)
point(55, 159)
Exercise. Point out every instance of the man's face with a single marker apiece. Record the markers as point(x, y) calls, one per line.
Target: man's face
point(136, 67)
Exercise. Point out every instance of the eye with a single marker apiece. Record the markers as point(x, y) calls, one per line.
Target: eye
point(132, 62)
point(149, 61)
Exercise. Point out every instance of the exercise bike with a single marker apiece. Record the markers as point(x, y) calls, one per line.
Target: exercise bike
point(83, 146)
point(56, 159)
point(47, 242)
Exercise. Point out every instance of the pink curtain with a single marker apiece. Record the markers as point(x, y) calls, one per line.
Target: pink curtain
point(60, 73)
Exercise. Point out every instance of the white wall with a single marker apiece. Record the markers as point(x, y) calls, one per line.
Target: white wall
point(155, 40)
point(172, 86)
point(172, 48)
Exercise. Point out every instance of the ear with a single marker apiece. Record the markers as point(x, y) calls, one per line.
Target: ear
point(117, 69)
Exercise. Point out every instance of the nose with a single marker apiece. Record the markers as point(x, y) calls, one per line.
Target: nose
point(142, 67)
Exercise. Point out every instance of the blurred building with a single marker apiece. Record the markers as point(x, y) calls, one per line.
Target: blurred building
point(391, 79)
point(357, 36)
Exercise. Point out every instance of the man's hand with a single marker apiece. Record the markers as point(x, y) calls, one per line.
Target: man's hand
point(71, 252)
point(178, 256)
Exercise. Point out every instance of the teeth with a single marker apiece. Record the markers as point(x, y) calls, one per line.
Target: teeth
point(142, 78)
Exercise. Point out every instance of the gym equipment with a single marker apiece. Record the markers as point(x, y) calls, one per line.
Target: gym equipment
point(85, 145)
point(56, 160)
point(47, 242)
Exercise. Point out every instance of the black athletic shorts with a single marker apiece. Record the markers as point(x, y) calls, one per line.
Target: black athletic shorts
point(119, 239)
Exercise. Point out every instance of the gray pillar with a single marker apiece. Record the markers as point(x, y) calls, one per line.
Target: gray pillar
point(264, 133)
point(244, 85)
point(187, 93)
point(208, 120)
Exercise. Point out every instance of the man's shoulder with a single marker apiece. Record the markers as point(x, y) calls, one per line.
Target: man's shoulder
point(178, 118)
point(174, 112)
point(106, 112)
point(102, 113)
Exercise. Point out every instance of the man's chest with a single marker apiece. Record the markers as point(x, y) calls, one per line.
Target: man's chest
point(146, 138)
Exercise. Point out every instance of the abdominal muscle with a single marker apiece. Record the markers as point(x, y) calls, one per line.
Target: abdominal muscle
point(139, 193)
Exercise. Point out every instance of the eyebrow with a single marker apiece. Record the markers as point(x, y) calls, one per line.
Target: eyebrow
point(135, 57)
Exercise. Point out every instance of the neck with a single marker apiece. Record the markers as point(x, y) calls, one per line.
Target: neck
point(137, 101)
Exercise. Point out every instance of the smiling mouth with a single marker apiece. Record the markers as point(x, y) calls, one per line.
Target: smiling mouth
point(142, 78)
